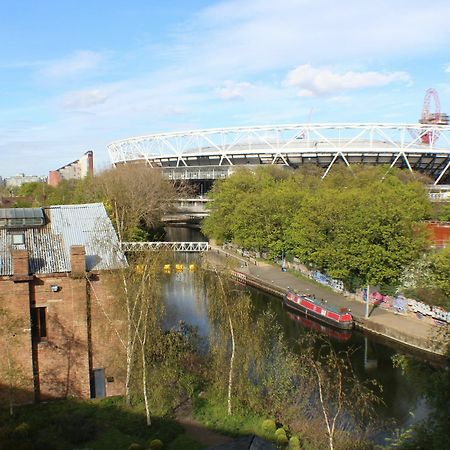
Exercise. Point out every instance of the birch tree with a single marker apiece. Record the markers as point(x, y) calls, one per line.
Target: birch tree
point(230, 313)
point(340, 394)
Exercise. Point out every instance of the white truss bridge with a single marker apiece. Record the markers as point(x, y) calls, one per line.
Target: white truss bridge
point(215, 153)
point(189, 247)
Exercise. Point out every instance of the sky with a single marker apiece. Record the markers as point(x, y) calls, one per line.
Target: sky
point(77, 75)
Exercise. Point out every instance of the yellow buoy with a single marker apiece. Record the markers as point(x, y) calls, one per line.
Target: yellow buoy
point(191, 267)
point(179, 267)
point(166, 268)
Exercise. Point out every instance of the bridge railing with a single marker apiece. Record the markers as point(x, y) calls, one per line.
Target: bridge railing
point(189, 247)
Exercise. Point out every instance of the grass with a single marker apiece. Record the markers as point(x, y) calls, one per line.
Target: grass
point(213, 414)
point(87, 424)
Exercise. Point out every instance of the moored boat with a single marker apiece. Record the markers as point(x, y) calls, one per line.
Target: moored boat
point(316, 309)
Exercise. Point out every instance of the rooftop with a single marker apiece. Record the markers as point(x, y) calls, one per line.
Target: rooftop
point(49, 245)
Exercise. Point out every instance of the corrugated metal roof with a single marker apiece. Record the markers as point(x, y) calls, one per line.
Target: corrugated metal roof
point(49, 246)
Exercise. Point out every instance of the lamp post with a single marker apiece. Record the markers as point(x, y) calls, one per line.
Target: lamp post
point(367, 301)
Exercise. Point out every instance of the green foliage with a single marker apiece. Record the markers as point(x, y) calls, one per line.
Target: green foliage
point(156, 444)
point(294, 443)
point(428, 281)
point(280, 436)
point(213, 414)
point(440, 268)
point(116, 426)
point(21, 431)
point(361, 226)
point(269, 426)
point(135, 446)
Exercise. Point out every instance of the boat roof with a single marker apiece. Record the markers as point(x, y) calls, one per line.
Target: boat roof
point(324, 304)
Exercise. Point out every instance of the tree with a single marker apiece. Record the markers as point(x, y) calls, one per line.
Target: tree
point(229, 311)
point(136, 196)
point(338, 389)
point(361, 228)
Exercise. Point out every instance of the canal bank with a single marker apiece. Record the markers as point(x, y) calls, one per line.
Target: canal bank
point(407, 331)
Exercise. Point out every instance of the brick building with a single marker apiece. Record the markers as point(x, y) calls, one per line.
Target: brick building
point(61, 325)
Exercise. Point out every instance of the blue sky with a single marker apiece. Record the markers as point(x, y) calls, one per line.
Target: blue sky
point(76, 75)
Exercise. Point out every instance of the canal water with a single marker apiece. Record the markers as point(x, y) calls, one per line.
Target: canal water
point(404, 400)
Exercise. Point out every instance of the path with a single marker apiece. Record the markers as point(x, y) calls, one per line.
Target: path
point(402, 328)
point(195, 430)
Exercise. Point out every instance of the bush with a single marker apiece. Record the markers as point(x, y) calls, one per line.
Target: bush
point(22, 431)
point(269, 426)
point(294, 443)
point(156, 444)
point(135, 446)
point(280, 436)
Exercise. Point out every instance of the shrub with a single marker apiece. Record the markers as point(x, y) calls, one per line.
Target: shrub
point(269, 426)
point(294, 443)
point(280, 436)
point(156, 444)
point(22, 431)
point(135, 446)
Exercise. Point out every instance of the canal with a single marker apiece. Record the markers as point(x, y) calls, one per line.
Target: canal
point(404, 396)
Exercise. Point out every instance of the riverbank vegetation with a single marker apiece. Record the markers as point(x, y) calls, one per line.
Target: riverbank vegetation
point(96, 424)
point(362, 226)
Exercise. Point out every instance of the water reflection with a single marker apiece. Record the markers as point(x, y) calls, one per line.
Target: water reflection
point(404, 400)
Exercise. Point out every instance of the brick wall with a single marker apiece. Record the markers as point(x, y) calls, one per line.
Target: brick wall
point(15, 341)
point(108, 333)
point(63, 358)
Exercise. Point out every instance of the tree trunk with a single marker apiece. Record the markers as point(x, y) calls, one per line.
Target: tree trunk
point(144, 384)
point(230, 374)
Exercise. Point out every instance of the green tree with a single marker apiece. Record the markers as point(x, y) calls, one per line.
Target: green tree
point(135, 196)
point(361, 227)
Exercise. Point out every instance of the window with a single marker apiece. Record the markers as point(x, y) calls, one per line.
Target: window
point(18, 239)
point(39, 323)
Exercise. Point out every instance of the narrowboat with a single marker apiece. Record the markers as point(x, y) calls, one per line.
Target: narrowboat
point(318, 310)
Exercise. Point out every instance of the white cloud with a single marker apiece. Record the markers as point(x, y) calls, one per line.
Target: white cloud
point(81, 61)
point(448, 69)
point(323, 81)
point(234, 91)
point(84, 99)
point(246, 37)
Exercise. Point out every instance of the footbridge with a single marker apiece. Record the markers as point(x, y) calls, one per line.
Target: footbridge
point(215, 153)
point(188, 247)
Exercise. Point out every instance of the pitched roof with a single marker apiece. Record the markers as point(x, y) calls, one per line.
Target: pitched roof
point(67, 225)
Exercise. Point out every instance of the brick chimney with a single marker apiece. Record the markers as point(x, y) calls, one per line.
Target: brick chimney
point(20, 265)
point(54, 178)
point(78, 260)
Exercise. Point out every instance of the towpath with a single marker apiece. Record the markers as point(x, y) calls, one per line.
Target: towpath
point(405, 329)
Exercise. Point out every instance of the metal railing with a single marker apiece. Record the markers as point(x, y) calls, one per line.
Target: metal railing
point(189, 247)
